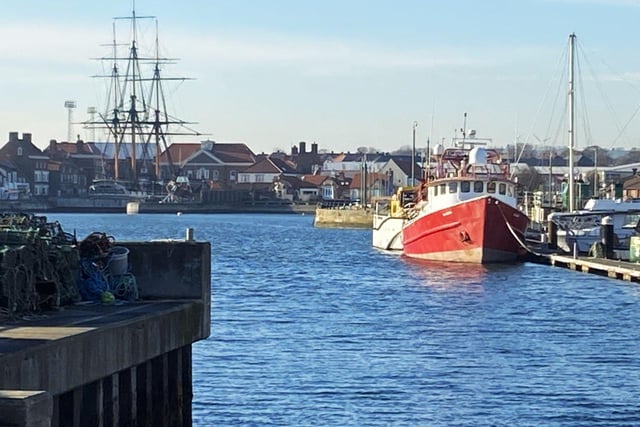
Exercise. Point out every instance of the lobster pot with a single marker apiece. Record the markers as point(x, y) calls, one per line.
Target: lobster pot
point(118, 260)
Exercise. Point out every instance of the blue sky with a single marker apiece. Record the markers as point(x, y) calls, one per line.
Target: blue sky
point(344, 74)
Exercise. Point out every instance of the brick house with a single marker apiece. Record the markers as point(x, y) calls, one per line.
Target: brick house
point(210, 161)
point(31, 165)
point(72, 167)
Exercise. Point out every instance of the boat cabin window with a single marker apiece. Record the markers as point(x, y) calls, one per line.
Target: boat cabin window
point(453, 187)
point(465, 186)
point(443, 189)
point(502, 188)
point(478, 186)
point(510, 190)
point(491, 187)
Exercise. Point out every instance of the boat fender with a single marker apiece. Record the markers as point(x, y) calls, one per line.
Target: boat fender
point(395, 207)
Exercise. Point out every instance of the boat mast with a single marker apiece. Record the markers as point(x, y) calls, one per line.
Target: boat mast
point(572, 40)
point(413, 154)
point(117, 103)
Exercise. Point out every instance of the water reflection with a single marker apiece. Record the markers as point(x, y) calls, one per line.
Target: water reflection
point(447, 276)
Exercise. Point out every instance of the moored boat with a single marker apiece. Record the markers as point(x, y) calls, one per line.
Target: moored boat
point(578, 231)
point(389, 217)
point(466, 212)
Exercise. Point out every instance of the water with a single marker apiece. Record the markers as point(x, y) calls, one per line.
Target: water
point(314, 327)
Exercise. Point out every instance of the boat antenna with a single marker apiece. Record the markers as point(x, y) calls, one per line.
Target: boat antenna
point(464, 127)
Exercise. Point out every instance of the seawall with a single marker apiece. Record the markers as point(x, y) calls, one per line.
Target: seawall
point(124, 364)
point(343, 218)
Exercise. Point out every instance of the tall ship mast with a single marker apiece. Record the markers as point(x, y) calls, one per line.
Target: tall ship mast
point(135, 117)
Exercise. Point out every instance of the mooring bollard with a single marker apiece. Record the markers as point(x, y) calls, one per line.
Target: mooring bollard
point(189, 235)
point(608, 236)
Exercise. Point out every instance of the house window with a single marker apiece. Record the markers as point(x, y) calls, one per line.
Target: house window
point(244, 178)
point(19, 151)
point(215, 175)
point(202, 173)
point(259, 178)
point(233, 175)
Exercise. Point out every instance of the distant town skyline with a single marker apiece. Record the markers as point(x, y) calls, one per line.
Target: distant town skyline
point(341, 74)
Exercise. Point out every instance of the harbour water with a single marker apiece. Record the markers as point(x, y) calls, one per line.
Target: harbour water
point(313, 326)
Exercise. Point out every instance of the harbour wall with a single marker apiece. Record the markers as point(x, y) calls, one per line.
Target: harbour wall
point(343, 218)
point(117, 364)
point(105, 205)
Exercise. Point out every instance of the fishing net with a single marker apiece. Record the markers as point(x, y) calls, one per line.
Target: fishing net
point(43, 267)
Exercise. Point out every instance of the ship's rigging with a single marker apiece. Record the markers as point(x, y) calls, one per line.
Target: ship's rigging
point(135, 115)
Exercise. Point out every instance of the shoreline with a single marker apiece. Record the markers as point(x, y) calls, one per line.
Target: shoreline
point(120, 206)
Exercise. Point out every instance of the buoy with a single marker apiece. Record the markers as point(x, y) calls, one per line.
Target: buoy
point(133, 208)
point(178, 213)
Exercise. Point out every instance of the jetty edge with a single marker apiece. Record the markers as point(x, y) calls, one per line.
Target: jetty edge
point(113, 364)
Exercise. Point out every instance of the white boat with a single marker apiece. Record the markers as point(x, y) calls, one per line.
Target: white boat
point(582, 229)
point(388, 219)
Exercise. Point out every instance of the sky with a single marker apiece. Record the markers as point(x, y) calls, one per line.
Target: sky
point(344, 74)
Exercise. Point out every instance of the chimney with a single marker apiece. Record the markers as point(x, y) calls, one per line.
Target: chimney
point(13, 136)
point(314, 148)
point(303, 147)
point(294, 150)
point(52, 146)
point(26, 137)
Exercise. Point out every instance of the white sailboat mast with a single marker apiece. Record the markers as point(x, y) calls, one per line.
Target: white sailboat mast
point(572, 41)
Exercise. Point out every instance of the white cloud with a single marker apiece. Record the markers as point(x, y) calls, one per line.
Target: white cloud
point(61, 49)
point(319, 56)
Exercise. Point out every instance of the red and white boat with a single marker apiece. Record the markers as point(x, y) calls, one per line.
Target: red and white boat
point(467, 211)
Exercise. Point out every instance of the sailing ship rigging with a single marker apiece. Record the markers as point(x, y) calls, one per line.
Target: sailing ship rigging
point(135, 117)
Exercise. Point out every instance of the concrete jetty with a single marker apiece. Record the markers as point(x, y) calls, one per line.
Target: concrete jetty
point(122, 364)
point(343, 218)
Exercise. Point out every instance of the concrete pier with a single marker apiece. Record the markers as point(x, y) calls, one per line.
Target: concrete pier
point(343, 218)
point(124, 364)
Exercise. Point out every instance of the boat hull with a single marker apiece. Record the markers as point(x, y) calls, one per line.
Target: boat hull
point(387, 232)
point(481, 230)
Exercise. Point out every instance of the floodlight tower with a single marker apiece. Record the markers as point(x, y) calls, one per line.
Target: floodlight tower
point(70, 105)
point(92, 113)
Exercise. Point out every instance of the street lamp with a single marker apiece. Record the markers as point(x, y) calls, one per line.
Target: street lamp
point(413, 154)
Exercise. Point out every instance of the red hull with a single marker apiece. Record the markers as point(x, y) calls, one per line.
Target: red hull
point(472, 231)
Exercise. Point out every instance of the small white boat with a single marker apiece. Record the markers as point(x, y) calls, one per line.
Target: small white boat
point(582, 229)
point(389, 218)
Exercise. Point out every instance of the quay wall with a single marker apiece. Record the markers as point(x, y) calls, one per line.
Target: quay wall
point(115, 205)
point(110, 365)
point(347, 218)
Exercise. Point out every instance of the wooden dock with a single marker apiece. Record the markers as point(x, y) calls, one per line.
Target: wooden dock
point(615, 269)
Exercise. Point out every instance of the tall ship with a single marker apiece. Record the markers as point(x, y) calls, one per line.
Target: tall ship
point(134, 119)
point(466, 211)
